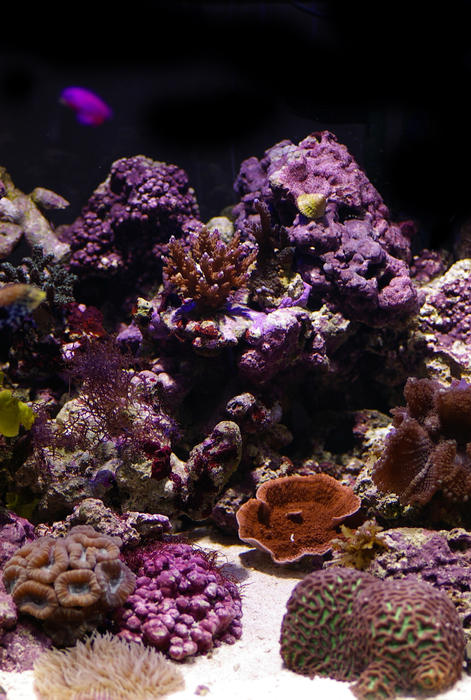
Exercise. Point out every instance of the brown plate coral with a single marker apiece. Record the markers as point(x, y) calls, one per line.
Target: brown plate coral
point(296, 515)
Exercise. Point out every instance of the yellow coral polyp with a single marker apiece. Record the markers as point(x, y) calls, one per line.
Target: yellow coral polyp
point(14, 413)
point(311, 205)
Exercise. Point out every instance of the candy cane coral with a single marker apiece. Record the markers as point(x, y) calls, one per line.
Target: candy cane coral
point(69, 583)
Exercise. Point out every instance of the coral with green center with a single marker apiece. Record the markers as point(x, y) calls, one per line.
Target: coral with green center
point(210, 271)
point(388, 636)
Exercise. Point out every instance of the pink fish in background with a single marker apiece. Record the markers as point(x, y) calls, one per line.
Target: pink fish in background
point(89, 108)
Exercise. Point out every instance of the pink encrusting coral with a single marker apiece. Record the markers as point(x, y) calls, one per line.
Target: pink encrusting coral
point(183, 604)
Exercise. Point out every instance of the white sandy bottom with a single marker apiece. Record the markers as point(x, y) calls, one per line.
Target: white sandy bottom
point(251, 669)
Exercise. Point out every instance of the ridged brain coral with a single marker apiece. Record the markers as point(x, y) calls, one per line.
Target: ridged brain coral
point(389, 636)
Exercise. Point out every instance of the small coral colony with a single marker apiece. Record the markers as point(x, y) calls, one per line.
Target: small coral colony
point(293, 371)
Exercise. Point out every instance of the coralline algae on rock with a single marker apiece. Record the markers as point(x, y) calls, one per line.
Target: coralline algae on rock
point(139, 205)
point(444, 320)
point(350, 251)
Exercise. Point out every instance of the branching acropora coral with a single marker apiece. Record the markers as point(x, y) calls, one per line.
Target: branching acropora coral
point(104, 667)
point(210, 271)
point(389, 636)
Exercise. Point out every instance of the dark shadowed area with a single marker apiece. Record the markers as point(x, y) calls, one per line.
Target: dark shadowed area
point(206, 84)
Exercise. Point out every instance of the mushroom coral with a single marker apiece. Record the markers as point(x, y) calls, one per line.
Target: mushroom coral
point(69, 582)
point(430, 449)
point(296, 515)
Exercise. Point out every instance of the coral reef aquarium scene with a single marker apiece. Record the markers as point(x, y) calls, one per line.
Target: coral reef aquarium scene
point(235, 352)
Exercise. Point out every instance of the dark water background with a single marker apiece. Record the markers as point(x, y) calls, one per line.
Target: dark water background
point(207, 84)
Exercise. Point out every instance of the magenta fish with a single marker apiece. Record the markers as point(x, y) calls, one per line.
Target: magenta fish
point(89, 108)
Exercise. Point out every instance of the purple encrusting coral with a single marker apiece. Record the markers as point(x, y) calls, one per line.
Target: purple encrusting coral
point(15, 531)
point(127, 221)
point(349, 250)
point(183, 604)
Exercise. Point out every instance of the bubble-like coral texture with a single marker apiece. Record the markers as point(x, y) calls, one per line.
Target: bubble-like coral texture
point(429, 450)
point(139, 205)
point(104, 667)
point(183, 605)
point(389, 636)
point(70, 582)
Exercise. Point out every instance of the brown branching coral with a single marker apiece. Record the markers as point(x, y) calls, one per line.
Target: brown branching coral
point(430, 449)
point(296, 515)
point(69, 582)
point(210, 271)
point(105, 668)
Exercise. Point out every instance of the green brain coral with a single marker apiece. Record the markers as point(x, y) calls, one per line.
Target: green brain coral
point(389, 636)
